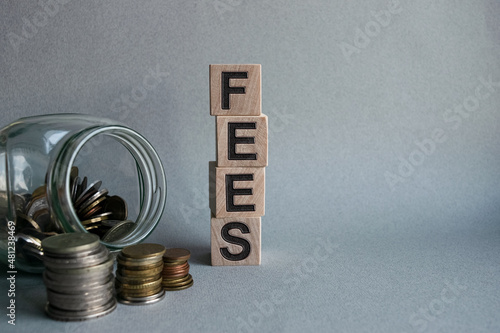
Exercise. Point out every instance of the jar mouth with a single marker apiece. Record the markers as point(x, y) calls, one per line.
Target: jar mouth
point(152, 182)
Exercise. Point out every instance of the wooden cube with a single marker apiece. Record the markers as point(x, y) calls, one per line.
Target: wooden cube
point(239, 192)
point(235, 241)
point(235, 90)
point(242, 141)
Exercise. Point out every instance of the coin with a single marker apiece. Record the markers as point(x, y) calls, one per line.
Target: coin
point(73, 173)
point(88, 192)
point(144, 285)
point(92, 207)
point(37, 204)
point(173, 263)
point(130, 300)
point(36, 233)
point(141, 267)
point(131, 262)
point(175, 268)
point(119, 231)
point(184, 281)
point(179, 288)
point(28, 239)
point(69, 243)
point(62, 283)
point(96, 218)
point(177, 280)
point(175, 274)
point(63, 315)
point(39, 191)
point(23, 221)
point(135, 280)
point(63, 295)
point(111, 223)
point(92, 201)
point(91, 212)
point(74, 188)
point(139, 292)
point(176, 254)
point(78, 304)
point(81, 187)
point(20, 201)
point(140, 273)
point(85, 270)
point(29, 251)
point(145, 250)
point(98, 257)
point(118, 206)
point(78, 254)
point(72, 279)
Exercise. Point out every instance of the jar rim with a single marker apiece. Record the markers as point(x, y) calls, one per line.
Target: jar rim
point(152, 182)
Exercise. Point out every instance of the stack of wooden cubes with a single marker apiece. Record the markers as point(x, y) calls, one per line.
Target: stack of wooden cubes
point(237, 178)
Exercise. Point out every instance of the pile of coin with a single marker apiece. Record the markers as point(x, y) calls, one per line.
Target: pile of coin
point(99, 213)
point(33, 224)
point(29, 244)
point(78, 277)
point(138, 274)
point(175, 272)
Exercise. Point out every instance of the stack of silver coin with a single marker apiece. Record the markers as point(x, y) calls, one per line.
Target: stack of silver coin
point(78, 277)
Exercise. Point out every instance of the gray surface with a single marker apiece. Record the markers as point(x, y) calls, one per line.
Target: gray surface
point(337, 125)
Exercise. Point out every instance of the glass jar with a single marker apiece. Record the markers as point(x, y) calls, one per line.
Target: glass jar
point(43, 160)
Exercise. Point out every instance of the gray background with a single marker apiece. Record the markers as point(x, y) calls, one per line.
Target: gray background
point(339, 124)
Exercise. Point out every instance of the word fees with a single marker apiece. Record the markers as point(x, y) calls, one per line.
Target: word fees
point(237, 177)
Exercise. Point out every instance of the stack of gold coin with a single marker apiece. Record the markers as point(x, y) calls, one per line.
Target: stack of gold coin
point(78, 277)
point(175, 272)
point(138, 274)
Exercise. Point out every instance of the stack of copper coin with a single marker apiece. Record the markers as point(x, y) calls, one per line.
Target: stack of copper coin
point(176, 270)
point(138, 274)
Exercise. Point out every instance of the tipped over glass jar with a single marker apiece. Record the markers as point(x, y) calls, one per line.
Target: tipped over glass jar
point(63, 173)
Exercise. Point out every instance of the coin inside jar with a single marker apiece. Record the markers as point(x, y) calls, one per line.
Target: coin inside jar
point(93, 206)
point(118, 206)
point(88, 192)
point(93, 200)
point(34, 222)
point(118, 231)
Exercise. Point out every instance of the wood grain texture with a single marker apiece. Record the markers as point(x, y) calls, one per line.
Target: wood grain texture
point(248, 189)
point(232, 132)
point(242, 248)
point(248, 103)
